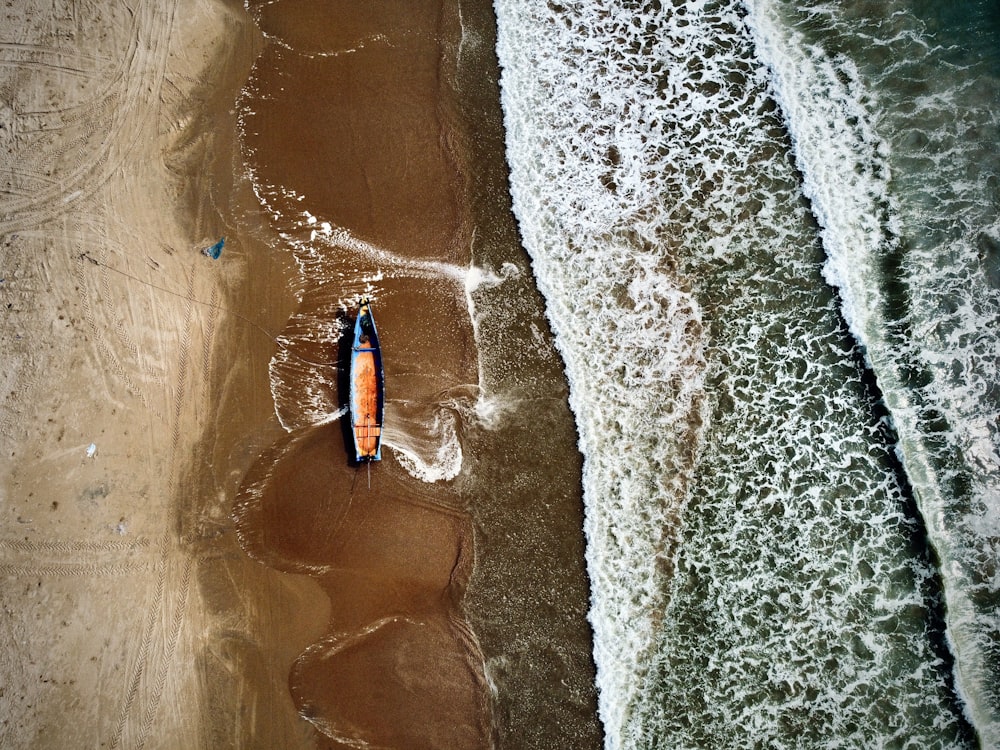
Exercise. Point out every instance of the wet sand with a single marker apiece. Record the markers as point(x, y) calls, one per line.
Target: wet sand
point(346, 123)
point(214, 573)
point(375, 137)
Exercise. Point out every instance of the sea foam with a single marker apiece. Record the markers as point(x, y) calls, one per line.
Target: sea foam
point(750, 555)
point(897, 184)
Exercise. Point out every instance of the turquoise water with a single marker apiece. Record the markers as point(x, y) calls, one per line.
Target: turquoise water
point(771, 263)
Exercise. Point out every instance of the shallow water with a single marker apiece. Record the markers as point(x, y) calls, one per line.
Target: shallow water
point(373, 139)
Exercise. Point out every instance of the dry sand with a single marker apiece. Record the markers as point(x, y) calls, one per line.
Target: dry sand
point(131, 618)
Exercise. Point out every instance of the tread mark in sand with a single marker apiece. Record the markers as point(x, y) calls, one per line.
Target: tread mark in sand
point(89, 570)
point(69, 545)
point(141, 75)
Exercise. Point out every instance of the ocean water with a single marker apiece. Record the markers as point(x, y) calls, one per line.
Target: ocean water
point(767, 235)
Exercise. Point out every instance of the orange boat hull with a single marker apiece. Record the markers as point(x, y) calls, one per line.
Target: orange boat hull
point(365, 407)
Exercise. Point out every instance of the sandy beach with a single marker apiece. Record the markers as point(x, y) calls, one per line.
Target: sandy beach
point(185, 554)
point(130, 616)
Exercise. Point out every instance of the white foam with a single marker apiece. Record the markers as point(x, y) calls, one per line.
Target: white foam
point(648, 175)
point(429, 449)
point(615, 308)
point(868, 208)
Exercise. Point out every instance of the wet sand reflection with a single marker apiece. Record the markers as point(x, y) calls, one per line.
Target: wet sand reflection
point(400, 668)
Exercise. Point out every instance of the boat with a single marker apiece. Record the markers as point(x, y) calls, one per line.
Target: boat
point(367, 386)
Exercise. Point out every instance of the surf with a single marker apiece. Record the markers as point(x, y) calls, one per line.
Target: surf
point(896, 184)
point(756, 569)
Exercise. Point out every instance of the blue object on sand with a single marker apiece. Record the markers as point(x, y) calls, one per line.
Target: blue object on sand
point(215, 250)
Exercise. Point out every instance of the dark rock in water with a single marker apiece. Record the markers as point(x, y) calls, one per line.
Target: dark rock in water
point(989, 253)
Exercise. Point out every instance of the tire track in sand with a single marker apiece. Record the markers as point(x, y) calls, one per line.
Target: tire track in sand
point(63, 570)
point(160, 680)
point(70, 546)
point(140, 662)
point(68, 557)
point(146, 686)
point(114, 121)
